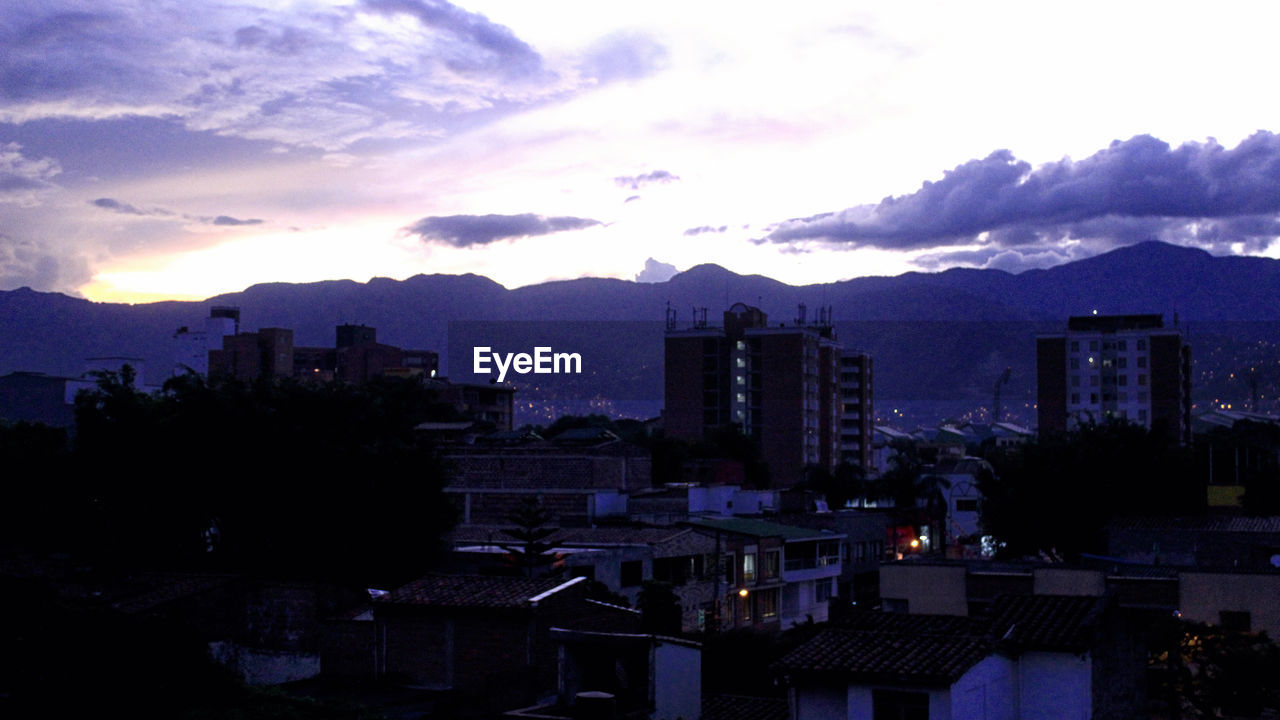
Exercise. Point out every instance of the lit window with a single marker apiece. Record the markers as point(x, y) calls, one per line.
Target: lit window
point(749, 567)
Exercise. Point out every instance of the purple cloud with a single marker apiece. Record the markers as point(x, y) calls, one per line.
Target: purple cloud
point(468, 230)
point(1134, 190)
point(635, 181)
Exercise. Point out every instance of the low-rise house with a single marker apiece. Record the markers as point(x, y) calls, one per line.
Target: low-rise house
point(487, 639)
point(774, 575)
point(621, 558)
point(1047, 656)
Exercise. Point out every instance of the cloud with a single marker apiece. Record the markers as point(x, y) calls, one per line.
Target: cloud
point(624, 56)
point(635, 181)
point(230, 221)
point(116, 206)
point(25, 264)
point(705, 229)
point(656, 272)
point(23, 180)
point(1133, 190)
point(467, 230)
point(305, 74)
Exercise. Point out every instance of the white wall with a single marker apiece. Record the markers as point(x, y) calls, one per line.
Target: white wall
point(677, 681)
point(1055, 686)
point(986, 692)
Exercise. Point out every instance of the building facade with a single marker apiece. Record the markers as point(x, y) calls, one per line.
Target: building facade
point(1115, 367)
point(778, 385)
point(857, 414)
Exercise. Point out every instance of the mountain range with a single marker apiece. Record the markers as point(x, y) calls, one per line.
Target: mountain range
point(936, 336)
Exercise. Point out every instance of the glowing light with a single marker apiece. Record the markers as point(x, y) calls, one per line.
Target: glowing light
point(742, 592)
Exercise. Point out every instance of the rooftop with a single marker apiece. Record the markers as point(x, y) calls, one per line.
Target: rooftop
point(474, 591)
point(763, 528)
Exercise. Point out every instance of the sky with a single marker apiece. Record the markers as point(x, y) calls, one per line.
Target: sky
point(155, 150)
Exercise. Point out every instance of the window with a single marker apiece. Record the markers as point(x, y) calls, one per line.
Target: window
point(1142, 361)
point(1075, 398)
point(1093, 344)
point(1142, 344)
point(828, 553)
point(772, 563)
point(632, 573)
point(1235, 620)
point(822, 590)
point(1075, 346)
point(768, 603)
point(1121, 345)
point(1093, 398)
point(1075, 381)
point(899, 705)
point(1142, 379)
point(1122, 363)
point(1142, 416)
point(1093, 381)
point(728, 565)
point(1075, 363)
point(1122, 379)
point(748, 567)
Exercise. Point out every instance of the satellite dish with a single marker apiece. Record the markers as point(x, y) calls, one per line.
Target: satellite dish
point(1275, 560)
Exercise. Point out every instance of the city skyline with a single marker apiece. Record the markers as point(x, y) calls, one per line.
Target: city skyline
point(149, 152)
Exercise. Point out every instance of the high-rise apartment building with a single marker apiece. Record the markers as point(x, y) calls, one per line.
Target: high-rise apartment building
point(779, 385)
point(1115, 367)
point(857, 417)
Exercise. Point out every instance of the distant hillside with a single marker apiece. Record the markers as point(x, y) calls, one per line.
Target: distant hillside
point(939, 339)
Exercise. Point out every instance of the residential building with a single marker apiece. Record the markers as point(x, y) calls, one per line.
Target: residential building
point(774, 575)
point(778, 385)
point(356, 357)
point(1047, 656)
point(192, 347)
point(486, 638)
point(857, 414)
point(577, 478)
point(1115, 367)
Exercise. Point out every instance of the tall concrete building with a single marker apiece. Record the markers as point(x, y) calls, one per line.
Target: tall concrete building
point(779, 385)
point(1115, 367)
point(857, 417)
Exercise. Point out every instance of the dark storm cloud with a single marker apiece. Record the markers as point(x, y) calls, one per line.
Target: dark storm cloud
point(635, 181)
point(467, 230)
point(705, 229)
point(1136, 189)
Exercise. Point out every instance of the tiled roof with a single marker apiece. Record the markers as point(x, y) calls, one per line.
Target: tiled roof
point(169, 589)
point(762, 528)
point(471, 591)
point(575, 536)
point(742, 707)
point(1046, 622)
point(1228, 523)
point(886, 656)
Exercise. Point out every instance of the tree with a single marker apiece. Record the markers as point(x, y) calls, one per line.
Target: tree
point(659, 608)
point(532, 555)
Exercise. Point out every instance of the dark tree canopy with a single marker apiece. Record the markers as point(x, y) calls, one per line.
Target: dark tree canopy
point(285, 478)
